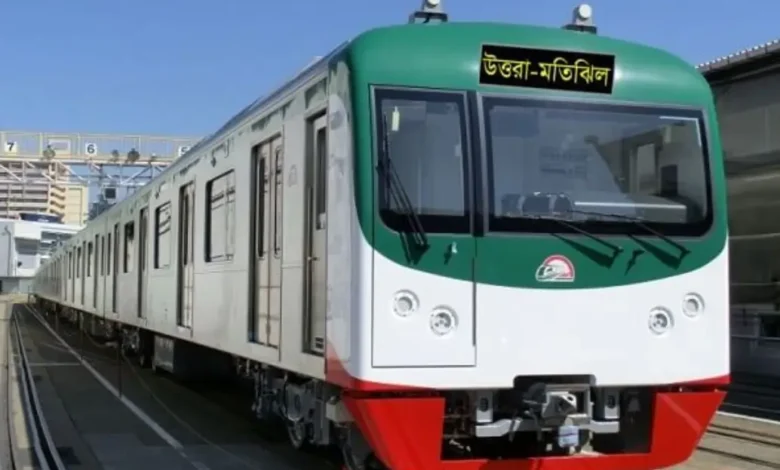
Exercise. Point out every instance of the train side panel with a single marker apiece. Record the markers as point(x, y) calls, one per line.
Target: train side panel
point(162, 295)
point(126, 279)
point(177, 258)
point(229, 249)
point(349, 286)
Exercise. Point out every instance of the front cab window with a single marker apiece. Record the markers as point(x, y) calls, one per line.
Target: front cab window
point(422, 160)
point(601, 167)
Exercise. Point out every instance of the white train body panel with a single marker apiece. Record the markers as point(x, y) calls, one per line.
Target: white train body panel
point(513, 331)
point(218, 293)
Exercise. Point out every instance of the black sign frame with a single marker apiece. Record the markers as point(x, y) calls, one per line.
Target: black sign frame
point(547, 69)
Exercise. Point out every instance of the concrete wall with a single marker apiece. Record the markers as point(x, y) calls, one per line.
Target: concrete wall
point(756, 357)
point(7, 248)
point(749, 116)
point(16, 285)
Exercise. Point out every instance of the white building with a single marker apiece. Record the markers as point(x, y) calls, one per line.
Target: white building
point(23, 246)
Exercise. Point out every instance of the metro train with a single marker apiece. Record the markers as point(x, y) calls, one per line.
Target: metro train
point(443, 245)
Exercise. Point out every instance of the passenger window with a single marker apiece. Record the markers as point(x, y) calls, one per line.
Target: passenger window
point(220, 217)
point(129, 243)
point(90, 250)
point(321, 157)
point(162, 236)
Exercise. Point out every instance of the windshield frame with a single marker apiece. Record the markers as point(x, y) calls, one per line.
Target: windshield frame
point(535, 225)
point(398, 221)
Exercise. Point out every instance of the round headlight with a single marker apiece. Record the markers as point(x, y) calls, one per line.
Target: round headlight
point(660, 321)
point(443, 321)
point(404, 303)
point(693, 305)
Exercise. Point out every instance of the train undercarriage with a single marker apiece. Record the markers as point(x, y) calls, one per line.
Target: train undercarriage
point(555, 423)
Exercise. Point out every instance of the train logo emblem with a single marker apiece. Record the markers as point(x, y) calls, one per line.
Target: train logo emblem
point(555, 268)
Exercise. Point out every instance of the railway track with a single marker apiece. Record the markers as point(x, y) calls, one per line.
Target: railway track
point(43, 447)
point(746, 433)
point(189, 412)
point(202, 426)
point(741, 446)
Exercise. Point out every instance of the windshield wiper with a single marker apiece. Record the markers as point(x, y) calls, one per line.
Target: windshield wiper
point(386, 168)
point(641, 224)
point(617, 249)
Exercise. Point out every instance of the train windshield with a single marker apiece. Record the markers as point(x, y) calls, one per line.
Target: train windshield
point(600, 167)
point(422, 139)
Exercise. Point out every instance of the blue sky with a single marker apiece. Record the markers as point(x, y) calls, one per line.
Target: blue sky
point(176, 67)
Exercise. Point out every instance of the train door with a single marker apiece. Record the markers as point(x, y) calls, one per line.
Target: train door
point(115, 272)
point(143, 237)
point(104, 255)
point(64, 277)
point(185, 276)
point(73, 269)
point(68, 274)
point(96, 273)
point(83, 272)
point(315, 282)
point(65, 273)
point(267, 183)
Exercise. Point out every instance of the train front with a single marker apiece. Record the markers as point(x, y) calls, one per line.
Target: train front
point(548, 251)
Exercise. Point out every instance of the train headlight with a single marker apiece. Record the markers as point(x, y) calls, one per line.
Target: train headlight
point(443, 321)
point(584, 12)
point(432, 3)
point(693, 305)
point(660, 321)
point(404, 303)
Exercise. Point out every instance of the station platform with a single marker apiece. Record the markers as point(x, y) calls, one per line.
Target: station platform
point(104, 413)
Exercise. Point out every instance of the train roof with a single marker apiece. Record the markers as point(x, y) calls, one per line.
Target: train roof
point(448, 56)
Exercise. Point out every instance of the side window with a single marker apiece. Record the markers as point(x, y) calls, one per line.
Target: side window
point(162, 236)
point(117, 245)
point(90, 253)
point(103, 255)
point(422, 160)
point(97, 255)
point(108, 255)
point(321, 167)
point(129, 246)
point(220, 217)
point(260, 197)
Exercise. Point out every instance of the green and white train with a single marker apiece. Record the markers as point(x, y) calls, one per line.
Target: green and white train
point(442, 246)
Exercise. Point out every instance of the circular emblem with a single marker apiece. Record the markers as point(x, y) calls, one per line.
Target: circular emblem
point(555, 268)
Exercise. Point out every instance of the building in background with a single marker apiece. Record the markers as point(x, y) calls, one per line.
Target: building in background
point(69, 201)
point(76, 205)
point(24, 244)
point(65, 174)
point(746, 88)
